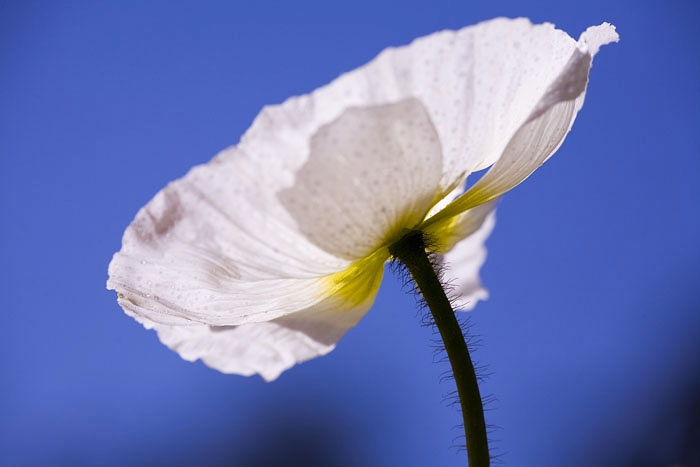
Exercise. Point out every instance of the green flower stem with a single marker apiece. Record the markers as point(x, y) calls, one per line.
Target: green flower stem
point(411, 251)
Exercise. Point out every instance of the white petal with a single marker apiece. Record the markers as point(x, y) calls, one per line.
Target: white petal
point(266, 348)
point(372, 173)
point(596, 36)
point(216, 247)
point(233, 243)
point(533, 144)
point(542, 132)
point(465, 259)
point(172, 299)
point(478, 84)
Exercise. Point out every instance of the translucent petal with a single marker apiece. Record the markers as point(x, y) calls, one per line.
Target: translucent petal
point(372, 174)
point(542, 132)
point(266, 348)
point(223, 246)
point(216, 247)
point(270, 347)
point(478, 85)
point(464, 260)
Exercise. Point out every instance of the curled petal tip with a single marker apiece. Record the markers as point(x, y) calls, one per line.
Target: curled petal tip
point(595, 37)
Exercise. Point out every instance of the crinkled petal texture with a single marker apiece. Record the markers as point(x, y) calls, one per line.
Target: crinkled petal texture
point(265, 256)
point(266, 348)
point(245, 249)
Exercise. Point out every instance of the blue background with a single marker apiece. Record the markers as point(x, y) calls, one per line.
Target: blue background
point(591, 334)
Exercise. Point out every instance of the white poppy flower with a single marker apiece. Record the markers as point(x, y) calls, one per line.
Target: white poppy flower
point(265, 256)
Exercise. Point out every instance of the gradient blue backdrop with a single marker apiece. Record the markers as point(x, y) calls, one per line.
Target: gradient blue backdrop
point(590, 336)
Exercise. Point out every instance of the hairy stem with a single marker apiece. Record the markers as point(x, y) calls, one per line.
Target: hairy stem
point(411, 251)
